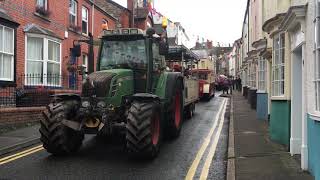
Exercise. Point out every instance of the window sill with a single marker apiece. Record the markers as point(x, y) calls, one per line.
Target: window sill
point(261, 92)
point(74, 31)
point(42, 17)
point(279, 98)
point(85, 35)
point(315, 116)
point(42, 85)
point(5, 83)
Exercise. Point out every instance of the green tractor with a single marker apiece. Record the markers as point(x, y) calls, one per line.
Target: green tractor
point(130, 95)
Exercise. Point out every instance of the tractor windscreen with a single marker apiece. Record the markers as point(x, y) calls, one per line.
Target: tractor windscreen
point(123, 54)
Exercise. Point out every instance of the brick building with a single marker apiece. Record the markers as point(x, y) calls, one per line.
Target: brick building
point(37, 35)
point(36, 38)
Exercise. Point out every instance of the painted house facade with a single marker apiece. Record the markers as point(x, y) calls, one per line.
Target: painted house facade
point(290, 50)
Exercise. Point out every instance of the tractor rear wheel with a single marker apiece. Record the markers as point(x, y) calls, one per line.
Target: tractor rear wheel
point(57, 138)
point(144, 130)
point(176, 111)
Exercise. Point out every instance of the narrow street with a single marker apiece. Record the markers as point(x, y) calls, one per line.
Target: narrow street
point(182, 158)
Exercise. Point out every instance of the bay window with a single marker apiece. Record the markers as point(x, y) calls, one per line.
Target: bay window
point(278, 65)
point(6, 53)
point(85, 18)
point(252, 74)
point(43, 61)
point(73, 8)
point(262, 74)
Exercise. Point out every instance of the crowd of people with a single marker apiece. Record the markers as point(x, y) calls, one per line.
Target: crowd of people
point(228, 84)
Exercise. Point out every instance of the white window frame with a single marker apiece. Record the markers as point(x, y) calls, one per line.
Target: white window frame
point(278, 66)
point(316, 53)
point(252, 74)
point(45, 5)
point(8, 53)
point(45, 60)
point(262, 64)
point(85, 62)
point(73, 13)
point(85, 19)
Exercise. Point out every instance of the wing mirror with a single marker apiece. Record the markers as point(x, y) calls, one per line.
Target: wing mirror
point(76, 50)
point(163, 48)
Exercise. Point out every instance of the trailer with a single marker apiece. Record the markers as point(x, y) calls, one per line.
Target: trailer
point(180, 59)
point(206, 84)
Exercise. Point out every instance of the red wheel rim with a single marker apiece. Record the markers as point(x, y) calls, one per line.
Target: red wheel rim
point(177, 114)
point(155, 129)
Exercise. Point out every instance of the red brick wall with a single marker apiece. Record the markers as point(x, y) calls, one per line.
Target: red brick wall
point(125, 19)
point(142, 24)
point(23, 12)
point(20, 115)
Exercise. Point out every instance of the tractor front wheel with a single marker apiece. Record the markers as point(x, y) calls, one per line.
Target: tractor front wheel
point(57, 138)
point(144, 130)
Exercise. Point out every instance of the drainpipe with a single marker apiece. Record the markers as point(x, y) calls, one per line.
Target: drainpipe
point(91, 55)
point(92, 18)
point(304, 143)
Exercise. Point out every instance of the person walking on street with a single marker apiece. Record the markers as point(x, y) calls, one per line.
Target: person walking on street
point(231, 84)
point(239, 84)
point(225, 86)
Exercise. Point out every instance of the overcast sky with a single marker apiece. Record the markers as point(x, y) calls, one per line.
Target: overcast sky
point(217, 20)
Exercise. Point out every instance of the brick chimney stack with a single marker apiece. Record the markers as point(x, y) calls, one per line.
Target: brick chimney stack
point(130, 7)
point(209, 44)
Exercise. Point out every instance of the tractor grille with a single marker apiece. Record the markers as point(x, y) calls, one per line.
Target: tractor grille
point(97, 84)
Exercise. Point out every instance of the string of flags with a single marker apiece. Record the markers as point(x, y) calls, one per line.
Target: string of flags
point(160, 18)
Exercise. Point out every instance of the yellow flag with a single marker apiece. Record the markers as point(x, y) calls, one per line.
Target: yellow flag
point(164, 22)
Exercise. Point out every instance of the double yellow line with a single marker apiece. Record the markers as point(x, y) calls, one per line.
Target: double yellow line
point(205, 170)
point(20, 154)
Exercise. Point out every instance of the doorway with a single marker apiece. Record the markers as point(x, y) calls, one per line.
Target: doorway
point(296, 101)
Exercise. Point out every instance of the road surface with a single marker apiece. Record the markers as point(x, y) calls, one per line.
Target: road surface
point(199, 153)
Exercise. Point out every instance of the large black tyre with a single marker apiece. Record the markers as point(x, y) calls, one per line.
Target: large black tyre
point(144, 130)
point(57, 138)
point(176, 111)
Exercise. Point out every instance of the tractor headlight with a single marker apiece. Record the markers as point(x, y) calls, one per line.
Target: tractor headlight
point(101, 104)
point(85, 104)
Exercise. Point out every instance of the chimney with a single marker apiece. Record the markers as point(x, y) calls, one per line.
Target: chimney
point(198, 45)
point(130, 7)
point(209, 44)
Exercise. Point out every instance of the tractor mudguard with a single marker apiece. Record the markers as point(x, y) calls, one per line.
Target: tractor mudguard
point(144, 96)
point(67, 96)
point(171, 82)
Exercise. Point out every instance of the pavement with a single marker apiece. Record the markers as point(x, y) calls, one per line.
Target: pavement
point(18, 139)
point(251, 154)
point(108, 160)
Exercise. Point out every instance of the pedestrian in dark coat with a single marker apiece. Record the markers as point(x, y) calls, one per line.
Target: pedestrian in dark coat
point(225, 86)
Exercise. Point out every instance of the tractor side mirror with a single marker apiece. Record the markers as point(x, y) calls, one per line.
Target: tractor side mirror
point(76, 50)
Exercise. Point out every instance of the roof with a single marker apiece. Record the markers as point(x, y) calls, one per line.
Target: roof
point(35, 29)
point(102, 6)
point(158, 28)
point(175, 53)
point(141, 13)
point(5, 16)
point(267, 25)
point(201, 53)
